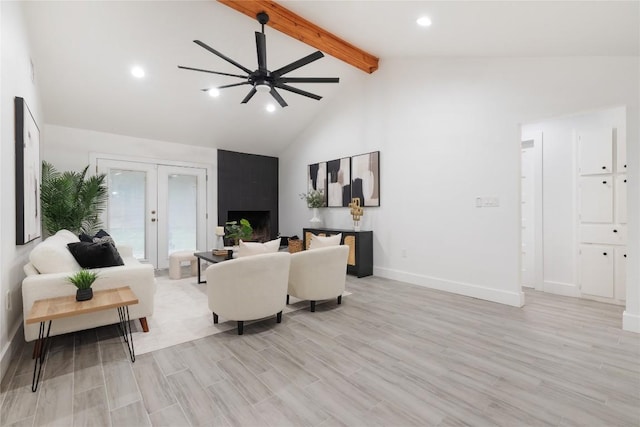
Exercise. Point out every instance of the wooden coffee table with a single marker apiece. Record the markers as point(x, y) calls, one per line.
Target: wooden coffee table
point(47, 310)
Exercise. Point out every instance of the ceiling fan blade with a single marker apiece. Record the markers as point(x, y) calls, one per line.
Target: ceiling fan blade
point(261, 47)
point(297, 64)
point(212, 72)
point(249, 95)
point(232, 85)
point(225, 86)
point(278, 98)
point(309, 79)
point(215, 52)
point(298, 91)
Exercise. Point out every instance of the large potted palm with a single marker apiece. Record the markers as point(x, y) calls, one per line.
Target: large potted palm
point(71, 200)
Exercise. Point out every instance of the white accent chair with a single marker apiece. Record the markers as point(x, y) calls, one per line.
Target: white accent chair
point(248, 288)
point(318, 274)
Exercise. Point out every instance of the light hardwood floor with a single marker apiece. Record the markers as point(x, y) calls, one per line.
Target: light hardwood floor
point(391, 354)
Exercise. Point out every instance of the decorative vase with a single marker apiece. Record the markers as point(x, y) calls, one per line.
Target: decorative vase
point(84, 294)
point(315, 222)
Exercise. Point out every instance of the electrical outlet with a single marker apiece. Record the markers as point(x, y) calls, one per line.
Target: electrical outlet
point(7, 301)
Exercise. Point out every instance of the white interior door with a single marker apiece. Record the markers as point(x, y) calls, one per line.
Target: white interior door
point(156, 209)
point(528, 216)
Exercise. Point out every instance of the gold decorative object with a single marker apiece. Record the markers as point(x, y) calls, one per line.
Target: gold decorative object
point(356, 212)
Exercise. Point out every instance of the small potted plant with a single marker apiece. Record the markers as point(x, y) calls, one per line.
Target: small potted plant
point(315, 200)
point(235, 231)
point(83, 280)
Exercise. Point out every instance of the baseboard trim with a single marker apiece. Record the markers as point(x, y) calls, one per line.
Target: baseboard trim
point(561, 288)
point(515, 299)
point(630, 322)
point(11, 349)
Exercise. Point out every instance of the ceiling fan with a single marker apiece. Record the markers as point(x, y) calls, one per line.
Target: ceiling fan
point(262, 79)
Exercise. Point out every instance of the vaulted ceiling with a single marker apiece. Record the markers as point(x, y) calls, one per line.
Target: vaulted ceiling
point(83, 52)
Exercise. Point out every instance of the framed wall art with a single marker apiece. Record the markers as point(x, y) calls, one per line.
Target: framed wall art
point(317, 179)
point(28, 171)
point(339, 182)
point(365, 178)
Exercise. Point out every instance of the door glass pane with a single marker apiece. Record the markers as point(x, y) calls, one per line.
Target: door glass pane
point(127, 195)
point(182, 212)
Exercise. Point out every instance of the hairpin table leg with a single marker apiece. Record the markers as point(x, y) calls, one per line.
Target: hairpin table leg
point(125, 329)
point(40, 352)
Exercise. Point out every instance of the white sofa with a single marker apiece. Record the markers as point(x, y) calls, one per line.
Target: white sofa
point(318, 274)
point(51, 263)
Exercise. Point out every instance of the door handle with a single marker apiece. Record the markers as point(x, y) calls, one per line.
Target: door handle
point(615, 231)
point(604, 253)
point(604, 182)
point(153, 212)
point(153, 220)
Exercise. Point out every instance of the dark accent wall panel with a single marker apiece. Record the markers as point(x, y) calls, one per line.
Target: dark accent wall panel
point(248, 182)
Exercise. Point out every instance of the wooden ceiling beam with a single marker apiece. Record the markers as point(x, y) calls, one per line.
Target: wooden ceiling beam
point(287, 22)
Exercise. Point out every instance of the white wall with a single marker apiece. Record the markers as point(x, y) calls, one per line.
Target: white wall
point(559, 197)
point(69, 149)
point(15, 80)
point(448, 131)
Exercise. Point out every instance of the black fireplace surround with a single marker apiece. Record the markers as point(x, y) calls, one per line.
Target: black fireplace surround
point(248, 188)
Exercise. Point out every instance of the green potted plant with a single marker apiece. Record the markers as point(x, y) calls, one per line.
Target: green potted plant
point(235, 231)
point(315, 199)
point(71, 200)
point(83, 280)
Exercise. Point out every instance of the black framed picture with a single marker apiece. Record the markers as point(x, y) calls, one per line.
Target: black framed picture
point(28, 171)
point(339, 182)
point(365, 178)
point(317, 179)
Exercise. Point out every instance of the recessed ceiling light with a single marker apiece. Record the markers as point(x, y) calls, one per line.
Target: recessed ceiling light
point(214, 92)
point(137, 72)
point(424, 21)
point(270, 108)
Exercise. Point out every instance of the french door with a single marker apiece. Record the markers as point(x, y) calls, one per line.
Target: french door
point(156, 209)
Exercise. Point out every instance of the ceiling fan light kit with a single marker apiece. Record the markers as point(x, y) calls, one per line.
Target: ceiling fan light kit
point(262, 80)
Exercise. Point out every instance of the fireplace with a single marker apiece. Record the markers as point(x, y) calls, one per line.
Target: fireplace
point(259, 220)
point(248, 188)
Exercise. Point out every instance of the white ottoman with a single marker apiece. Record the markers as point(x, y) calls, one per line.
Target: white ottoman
point(176, 258)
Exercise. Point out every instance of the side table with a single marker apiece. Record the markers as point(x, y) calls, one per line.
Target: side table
point(47, 310)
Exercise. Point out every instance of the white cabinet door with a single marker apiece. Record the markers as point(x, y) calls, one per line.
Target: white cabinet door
point(596, 151)
point(609, 234)
point(620, 269)
point(621, 199)
point(596, 199)
point(596, 270)
point(621, 151)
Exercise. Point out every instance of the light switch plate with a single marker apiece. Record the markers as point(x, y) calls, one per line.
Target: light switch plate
point(487, 202)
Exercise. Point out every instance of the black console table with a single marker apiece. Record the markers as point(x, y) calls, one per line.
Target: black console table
point(360, 262)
